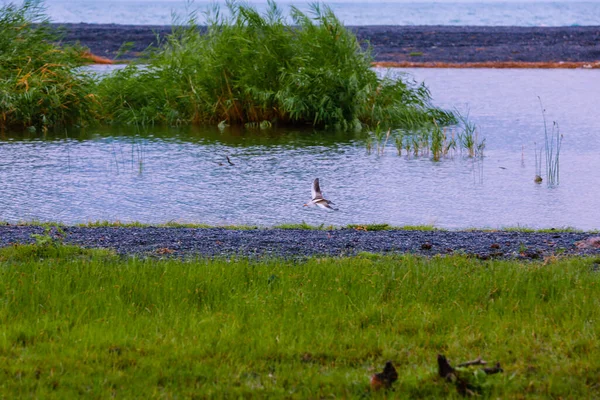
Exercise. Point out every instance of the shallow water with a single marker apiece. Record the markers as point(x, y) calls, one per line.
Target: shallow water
point(403, 12)
point(175, 175)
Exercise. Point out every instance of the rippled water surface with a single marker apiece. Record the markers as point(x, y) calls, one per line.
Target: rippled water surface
point(183, 175)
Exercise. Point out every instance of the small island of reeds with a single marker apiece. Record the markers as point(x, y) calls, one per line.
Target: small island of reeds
point(246, 68)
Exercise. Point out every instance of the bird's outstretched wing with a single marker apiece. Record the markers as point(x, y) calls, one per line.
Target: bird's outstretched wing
point(316, 190)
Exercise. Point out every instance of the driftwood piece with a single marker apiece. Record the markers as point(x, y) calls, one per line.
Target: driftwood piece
point(477, 361)
point(463, 387)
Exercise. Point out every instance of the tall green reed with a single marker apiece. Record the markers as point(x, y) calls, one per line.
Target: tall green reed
point(40, 85)
point(250, 67)
point(437, 142)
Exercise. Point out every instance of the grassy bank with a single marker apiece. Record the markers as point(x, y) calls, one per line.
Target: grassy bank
point(87, 324)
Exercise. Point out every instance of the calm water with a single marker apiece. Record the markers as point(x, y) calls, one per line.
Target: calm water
point(174, 175)
point(403, 12)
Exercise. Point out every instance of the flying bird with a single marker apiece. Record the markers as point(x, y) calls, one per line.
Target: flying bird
point(317, 197)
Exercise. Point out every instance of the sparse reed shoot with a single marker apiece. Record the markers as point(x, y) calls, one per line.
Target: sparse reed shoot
point(538, 164)
point(552, 144)
point(431, 140)
point(399, 141)
point(469, 138)
point(380, 137)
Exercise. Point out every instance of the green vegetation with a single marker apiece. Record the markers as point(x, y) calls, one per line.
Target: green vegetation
point(40, 87)
point(552, 141)
point(170, 224)
point(251, 69)
point(248, 69)
point(173, 224)
point(302, 225)
point(305, 226)
point(135, 224)
point(84, 323)
point(431, 140)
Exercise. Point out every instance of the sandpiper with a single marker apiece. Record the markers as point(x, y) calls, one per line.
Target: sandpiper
point(317, 197)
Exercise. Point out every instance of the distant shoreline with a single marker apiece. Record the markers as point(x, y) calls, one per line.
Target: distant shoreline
point(408, 46)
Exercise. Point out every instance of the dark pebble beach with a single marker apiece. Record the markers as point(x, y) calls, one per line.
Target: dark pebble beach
point(299, 244)
point(451, 44)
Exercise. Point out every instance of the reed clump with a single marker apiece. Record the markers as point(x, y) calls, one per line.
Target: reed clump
point(40, 86)
point(248, 68)
point(432, 140)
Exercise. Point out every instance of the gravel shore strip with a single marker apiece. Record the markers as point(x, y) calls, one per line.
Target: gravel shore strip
point(298, 243)
point(417, 44)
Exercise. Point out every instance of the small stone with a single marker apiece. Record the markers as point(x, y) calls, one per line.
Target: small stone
point(589, 243)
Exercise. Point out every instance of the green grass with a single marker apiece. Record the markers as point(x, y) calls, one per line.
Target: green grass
point(305, 226)
point(174, 224)
point(170, 224)
point(302, 225)
point(88, 324)
point(131, 224)
point(135, 224)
